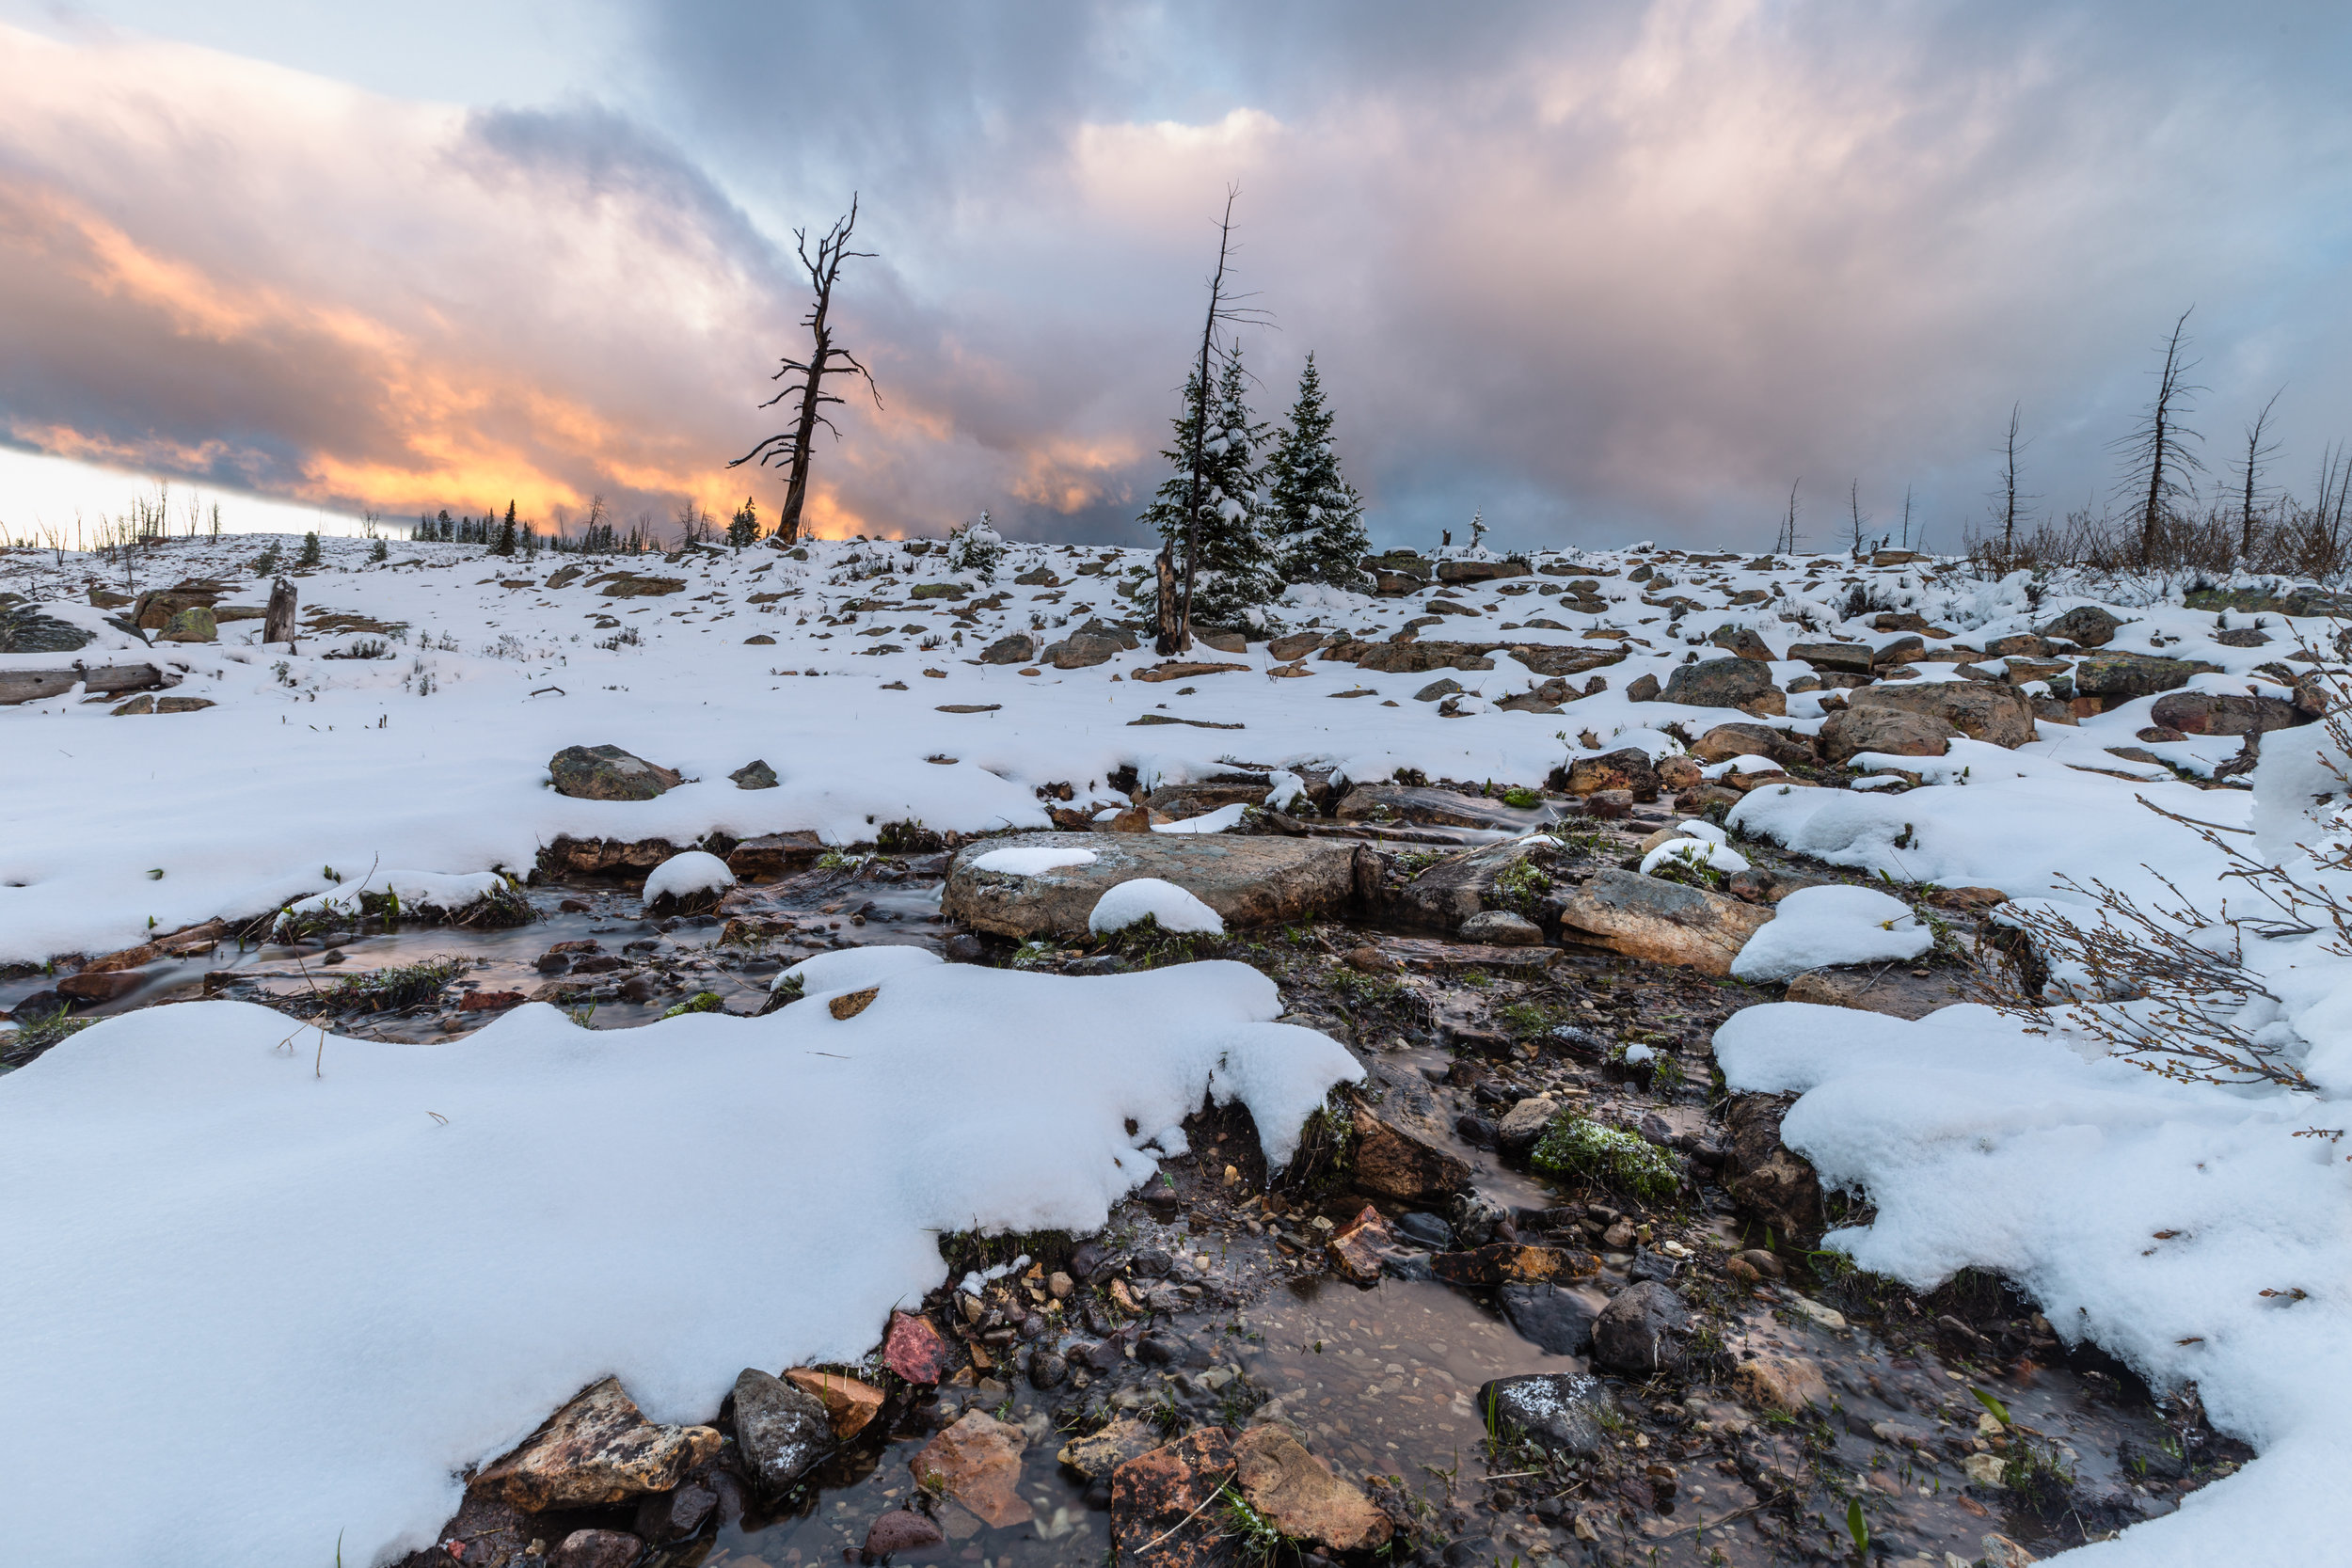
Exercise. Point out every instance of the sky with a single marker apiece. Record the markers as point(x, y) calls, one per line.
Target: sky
point(1602, 273)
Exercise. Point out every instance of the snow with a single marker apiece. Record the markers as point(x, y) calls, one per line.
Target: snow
point(300, 1291)
point(444, 892)
point(1814, 927)
point(1207, 822)
point(1163, 901)
point(1028, 860)
point(1693, 852)
point(695, 871)
point(855, 968)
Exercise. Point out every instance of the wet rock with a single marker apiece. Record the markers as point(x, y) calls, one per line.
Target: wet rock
point(781, 1432)
point(668, 1516)
point(1551, 1318)
point(1428, 1229)
point(2085, 626)
point(1739, 683)
point(105, 986)
point(753, 775)
point(597, 1548)
point(912, 1348)
point(1161, 1514)
point(1169, 1350)
point(964, 948)
point(1504, 928)
point(1392, 1161)
point(1440, 808)
point(1559, 1410)
point(1467, 883)
point(1298, 1494)
point(1508, 1262)
point(1999, 715)
point(608, 773)
point(2220, 713)
point(1628, 768)
point(1048, 1370)
point(1359, 1247)
point(1896, 731)
point(1667, 922)
point(1525, 1122)
point(976, 1463)
point(901, 1530)
point(598, 1449)
point(1642, 1329)
point(849, 1404)
point(1108, 1450)
point(1252, 881)
point(1764, 1176)
point(1889, 988)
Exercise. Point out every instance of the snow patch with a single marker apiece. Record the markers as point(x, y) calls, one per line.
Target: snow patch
point(1814, 927)
point(1163, 901)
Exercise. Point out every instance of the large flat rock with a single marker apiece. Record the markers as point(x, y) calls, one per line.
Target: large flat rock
point(1643, 917)
point(1247, 881)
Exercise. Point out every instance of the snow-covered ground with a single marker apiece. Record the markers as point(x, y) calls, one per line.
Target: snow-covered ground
point(152, 1168)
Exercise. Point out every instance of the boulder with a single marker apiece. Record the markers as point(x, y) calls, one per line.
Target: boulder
point(1558, 1410)
point(195, 623)
point(1512, 875)
point(1501, 927)
point(1642, 1329)
point(1726, 741)
point(1628, 768)
point(1740, 642)
point(1018, 648)
point(1894, 730)
point(1851, 659)
point(629, 585)
point(2117, 678)
point(781, 1430)
point(1480, 570)
point(1999, 715)
point(976, 1463)
point(1416, 658)
point(1740, 683)
point(1764, 1176)
point(2085, 626)
point(1889, 988)
point(1393, 1161)
point(1553, 1318)
point(1667, 922)
point(598, 1449)
point(755, 774)
point(1644, 688)
point(1080, 650)
point(1442, 808)
point(25, 629)
point(1163, 1512)
point(608, 773)
point(1249, 880)
point(2220, 713)
point(1298, 1494)
point(667, 1516)
point(774, 854)
point(901, 1529)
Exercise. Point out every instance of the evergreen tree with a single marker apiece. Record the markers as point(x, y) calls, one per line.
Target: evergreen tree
point(506, 532)
point(1233, 568)
point(310, 555)
point(1315, 518)
point(743, 527)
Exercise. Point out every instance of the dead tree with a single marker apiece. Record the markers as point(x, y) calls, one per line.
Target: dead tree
point(2010, 496)
point(1854, 507)
point(2251, 496)
point(2157, 449)
point(804, 379)
point(1175, 632)
point(278, 620)
point(1785, 541)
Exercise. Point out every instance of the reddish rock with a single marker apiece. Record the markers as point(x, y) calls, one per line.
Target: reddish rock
point(1504, 1262)
point(597, 1548)
point(915, 1350)
point(848, 1403)
point(489, 1001)
point(976, 1462)
point(1300, 1497)
point(103, 987)
point(1356, 1248)
point(1163, 1514)
point(901, 1530)
point(598, 1449)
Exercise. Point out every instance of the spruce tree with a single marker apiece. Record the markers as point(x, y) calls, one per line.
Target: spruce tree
point(743, 527)
point(1233, 566)
point(1315, 518)
point(506, 532)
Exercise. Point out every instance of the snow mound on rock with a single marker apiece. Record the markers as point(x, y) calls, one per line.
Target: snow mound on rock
point(1838, 925)
point(1027, 860)
point(1207, 822)
point(695, 871)
point(1163, 901)
point(446, 892)
point(855, 968)
point(1693, 852)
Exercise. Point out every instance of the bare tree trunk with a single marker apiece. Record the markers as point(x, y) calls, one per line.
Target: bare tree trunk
point(1177, 637)
point(2009, 492)
point(2161, 442)
point(2250, 486)
point(825, 357)
point(277, 622)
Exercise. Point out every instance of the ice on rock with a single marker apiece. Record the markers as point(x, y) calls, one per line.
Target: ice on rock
point(1027, 860)
point(695, 871)
point(1163, 901)
point(1814, 927)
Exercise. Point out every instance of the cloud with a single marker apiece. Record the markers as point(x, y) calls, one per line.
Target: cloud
point(1607, 271)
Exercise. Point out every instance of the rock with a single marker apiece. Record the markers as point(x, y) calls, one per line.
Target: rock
point(1080, 650)
point(1643, 688)
point(629, 585)
point(1627, 767)
point(1889, 988)
point(597, 1548)
point(2220, 713)
point(781, 1432)
point(1726, 741)
point(1502, 929)
point(1358, 1249)
point(1999, 715)
point(1641, 1330)
point(915, 1350)
point(1999, 1550)
point(1391, 1162)
point(1019, 648)
point(1249, 880)
point(1525, 1121)
point(1740, 683)
point(598, 1449)
point(608, 773)
point(2117, 678)
point(976, 1462)
point(667, 1516)
point(25, 629)
point(1512, 1263)
point(1784, 1383)
point(901, 1530)
point(1108, 1450)
point(773, 854)
point(1048, 1370)
point(849, 1405)
point(1851, 659)
point(1551, 1318)
point(1763, 1176)
point(1559, 1410)
point(1740, 642)
point(1441, 808)
point(1668, 923)
point(1893, 730)
point(1298, 1494)
point(195, 623)
point(753, 775)
point(1163, 1512)
point(1435, 690)
point(2085, 626)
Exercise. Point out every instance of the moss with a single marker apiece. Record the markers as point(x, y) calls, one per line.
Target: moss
point(1521, 887)
point(1520, 798)
point(701, 1002)
point(1576, 1146)
point(399, 986)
